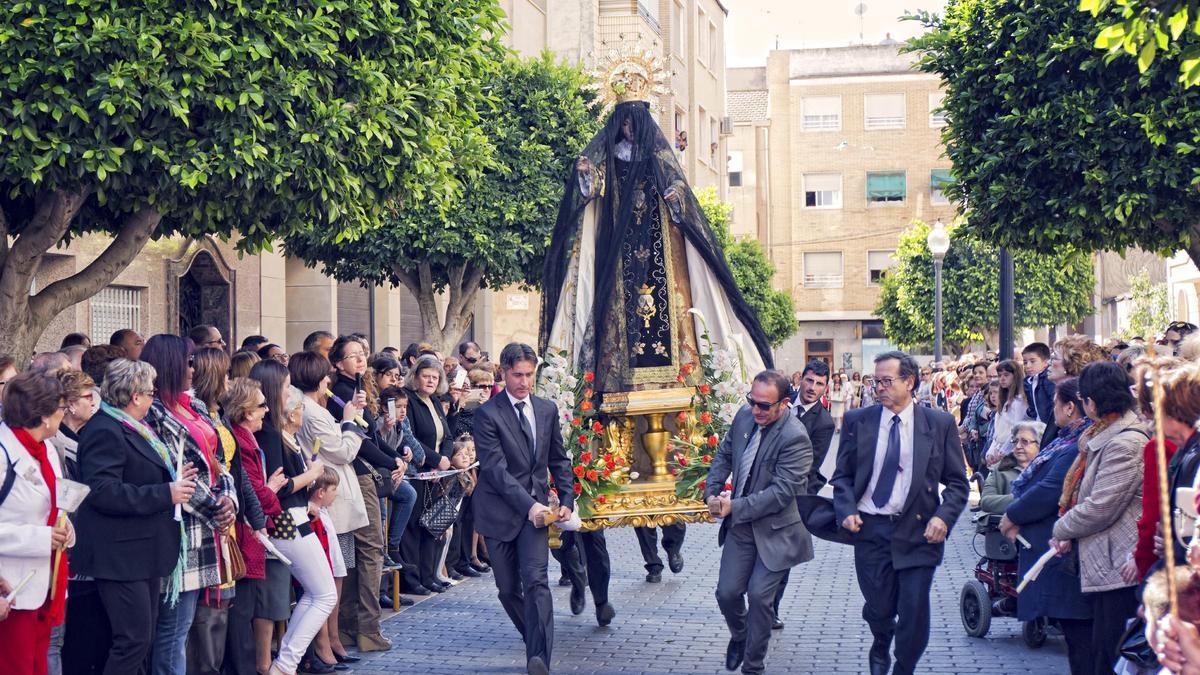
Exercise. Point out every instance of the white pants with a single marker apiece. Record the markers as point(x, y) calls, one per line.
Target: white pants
point(310, 567)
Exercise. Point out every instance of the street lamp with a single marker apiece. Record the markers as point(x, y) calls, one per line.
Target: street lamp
point(939, 243)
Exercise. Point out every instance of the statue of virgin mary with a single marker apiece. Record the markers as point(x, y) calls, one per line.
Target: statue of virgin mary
point(632, 253)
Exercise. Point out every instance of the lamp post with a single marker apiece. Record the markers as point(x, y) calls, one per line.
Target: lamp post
point(939, 244)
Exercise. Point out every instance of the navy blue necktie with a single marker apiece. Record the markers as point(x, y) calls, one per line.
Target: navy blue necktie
point(527, 430)
point(891, 466)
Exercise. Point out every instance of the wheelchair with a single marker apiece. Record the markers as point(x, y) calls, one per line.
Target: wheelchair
point(993, 591)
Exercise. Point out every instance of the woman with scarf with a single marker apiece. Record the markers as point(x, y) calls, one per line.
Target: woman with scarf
point(1036, 492)
point(129, 541)
point(32, 531)
point(1100, 504)
point(183, 423)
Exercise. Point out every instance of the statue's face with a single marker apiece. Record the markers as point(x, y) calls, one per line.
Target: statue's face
point(627, 129)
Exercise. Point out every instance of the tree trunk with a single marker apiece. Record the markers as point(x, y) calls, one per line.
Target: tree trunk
point(462, 288)
point(25, 317)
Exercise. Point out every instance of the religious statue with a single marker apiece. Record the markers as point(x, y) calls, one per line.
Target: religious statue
point(632, 253)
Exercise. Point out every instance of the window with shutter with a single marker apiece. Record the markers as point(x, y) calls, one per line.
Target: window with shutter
point(937, 116)
point(822, 190)
point(878, 264)
point(821, 113)
point(939, 180)
point(885, 186)
point(884, 111)
point(823, 269)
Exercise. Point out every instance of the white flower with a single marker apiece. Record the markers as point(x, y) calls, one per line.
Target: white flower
point(633, 475)
point(570, 382)
point(728, 411)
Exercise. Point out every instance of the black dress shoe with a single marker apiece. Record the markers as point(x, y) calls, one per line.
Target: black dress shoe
point(346, 658)
point(481, 568)
point(578, 599)
point(675, 561)
point(385, 601)
point(878, 658)
point(537, 666)
point(466, 571)
point(777, 623)
point(438, 587)
point(406, 602)
point(653, 577)
point(315, 666)
point(418, 589)
point(605, 614)
point(734, 653)
point(564, 581)
point(455, 576)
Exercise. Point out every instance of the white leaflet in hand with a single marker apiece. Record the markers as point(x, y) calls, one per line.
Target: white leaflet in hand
point(17, 589)
point(69, 494)
point(571, 524)
point(272, 550)
point(1036, 569)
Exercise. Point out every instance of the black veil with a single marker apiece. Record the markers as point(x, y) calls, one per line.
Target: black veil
point(652, 157)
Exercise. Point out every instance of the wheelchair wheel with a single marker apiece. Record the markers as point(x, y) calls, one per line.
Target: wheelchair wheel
point(975, 606)
point(1034, 632)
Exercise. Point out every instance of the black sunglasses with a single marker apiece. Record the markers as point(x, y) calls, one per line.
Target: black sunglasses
point(470, 360)
point(762, 406)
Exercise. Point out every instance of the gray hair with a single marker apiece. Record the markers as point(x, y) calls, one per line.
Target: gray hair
point(124, 378)
point(295, 399)
point(427, 362)
point(1037, 427)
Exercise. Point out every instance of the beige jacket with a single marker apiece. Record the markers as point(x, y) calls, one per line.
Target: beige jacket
point(339, 447)
point(1104, 522)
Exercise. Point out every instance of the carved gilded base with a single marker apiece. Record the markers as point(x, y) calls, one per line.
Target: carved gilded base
point(645, 505)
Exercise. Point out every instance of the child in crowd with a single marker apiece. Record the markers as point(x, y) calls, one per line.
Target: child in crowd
point(1039, 389)
point(320, 496)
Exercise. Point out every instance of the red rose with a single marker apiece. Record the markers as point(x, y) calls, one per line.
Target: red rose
point(578, 488)
point(579, 471)
point(679, 457)
point(578, 421)
point(679, 379)
point(712, 440)
point(681, 418)
point(591, 475)
point(597, 427)
point(607, 473)
point(589, 377)
point(611, 465)
point(600, 499)
point(583, 439)
point(705, 389)
point(585, 457)
point(705, 418)
point(687, 368)
point(707, 459)
point(683, 461)
point(674, 471)
point(702, 484)
point(621, 461)
point(588, 393)
point(585, 406)
point(608, 458)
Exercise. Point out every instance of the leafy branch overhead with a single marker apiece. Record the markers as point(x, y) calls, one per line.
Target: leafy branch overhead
point(1147, 28)
point(1049, 289)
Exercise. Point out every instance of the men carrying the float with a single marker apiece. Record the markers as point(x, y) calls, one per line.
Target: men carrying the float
point(767, 455)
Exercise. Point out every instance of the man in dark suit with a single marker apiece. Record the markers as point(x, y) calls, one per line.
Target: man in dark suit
point(767, 454)
point(517, 440)
point(586, 563)
point(820, 427)
point(890, 461)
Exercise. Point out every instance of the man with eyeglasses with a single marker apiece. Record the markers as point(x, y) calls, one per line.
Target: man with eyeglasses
point(767, 455)
point(205, 336)
point(891, 459)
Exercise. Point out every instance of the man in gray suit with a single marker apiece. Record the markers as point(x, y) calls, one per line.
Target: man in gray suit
point(768, 456)
point(518, 443)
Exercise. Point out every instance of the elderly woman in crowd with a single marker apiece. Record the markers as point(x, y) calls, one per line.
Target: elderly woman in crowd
point(340, 442)
point(31, 530)
point(1101, 502)
point(129, 542)
point(183, 423)
point(359, 613)
point(426, 381)
point(996, 494)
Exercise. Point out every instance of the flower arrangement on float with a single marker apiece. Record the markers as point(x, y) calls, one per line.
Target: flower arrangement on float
point(720, 387)
point(597, 474)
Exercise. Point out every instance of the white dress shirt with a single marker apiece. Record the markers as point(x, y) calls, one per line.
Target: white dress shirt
point(527, 412)
point(904, 477)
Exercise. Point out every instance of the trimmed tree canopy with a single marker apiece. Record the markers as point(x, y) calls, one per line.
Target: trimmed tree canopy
point(1049, 289)
point(1053, 146)
point(497, 233)
point(167, 117)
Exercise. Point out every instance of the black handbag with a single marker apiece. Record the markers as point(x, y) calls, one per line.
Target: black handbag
point(443, 503)
point(1134, 647)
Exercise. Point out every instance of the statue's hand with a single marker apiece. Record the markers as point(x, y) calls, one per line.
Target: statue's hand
point(671, 195)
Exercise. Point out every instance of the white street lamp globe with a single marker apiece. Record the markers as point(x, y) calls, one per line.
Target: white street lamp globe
point(938, 240)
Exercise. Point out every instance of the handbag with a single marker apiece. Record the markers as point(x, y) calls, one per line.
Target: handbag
point(233, 565)
point(1134, 647)
point(441, 510)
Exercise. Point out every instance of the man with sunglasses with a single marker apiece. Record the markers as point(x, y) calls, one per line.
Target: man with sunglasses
point(767, 455)
point(469, 354)
point(890, 462)
point(1174, 335)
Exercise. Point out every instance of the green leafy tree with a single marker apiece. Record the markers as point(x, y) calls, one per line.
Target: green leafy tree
point(752, 271)
point(497, 233)
point(1143, 28)
point(1052, 144)
point(179, 118)
point(1150, 309)
point(1049, 289)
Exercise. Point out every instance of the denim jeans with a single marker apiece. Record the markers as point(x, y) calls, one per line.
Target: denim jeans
point(167, 654)
point(403, 500)
point(54, 657)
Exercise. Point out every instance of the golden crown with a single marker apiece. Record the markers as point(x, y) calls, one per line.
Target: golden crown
point(630, 73)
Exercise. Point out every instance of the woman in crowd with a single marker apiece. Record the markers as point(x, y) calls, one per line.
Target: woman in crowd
point(359, 612)
point(868, 391)
point(1056, 593)
point(340, 442)
point(996, 494)
point(79, 391)
point(837, 401)
point(1010, 409)
point(396, 507)
point(426, 381)
point(241, 363)
point(1182, 401)
point(31, 530)
point(273, 352)
point(129, 542)
point(855, 390)
point(1071, 354)
point(183, 423)
point(1101, 502)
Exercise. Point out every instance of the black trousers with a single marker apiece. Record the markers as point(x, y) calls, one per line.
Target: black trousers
point(520, 568)
point(648, 541)
point(1078, 634)
point(897, 600)
point(588, 551)
point(458, 555)
point(240, 655)
point(132, 609)
point(418, 547)
point(1110, 612)
point(86, 634)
